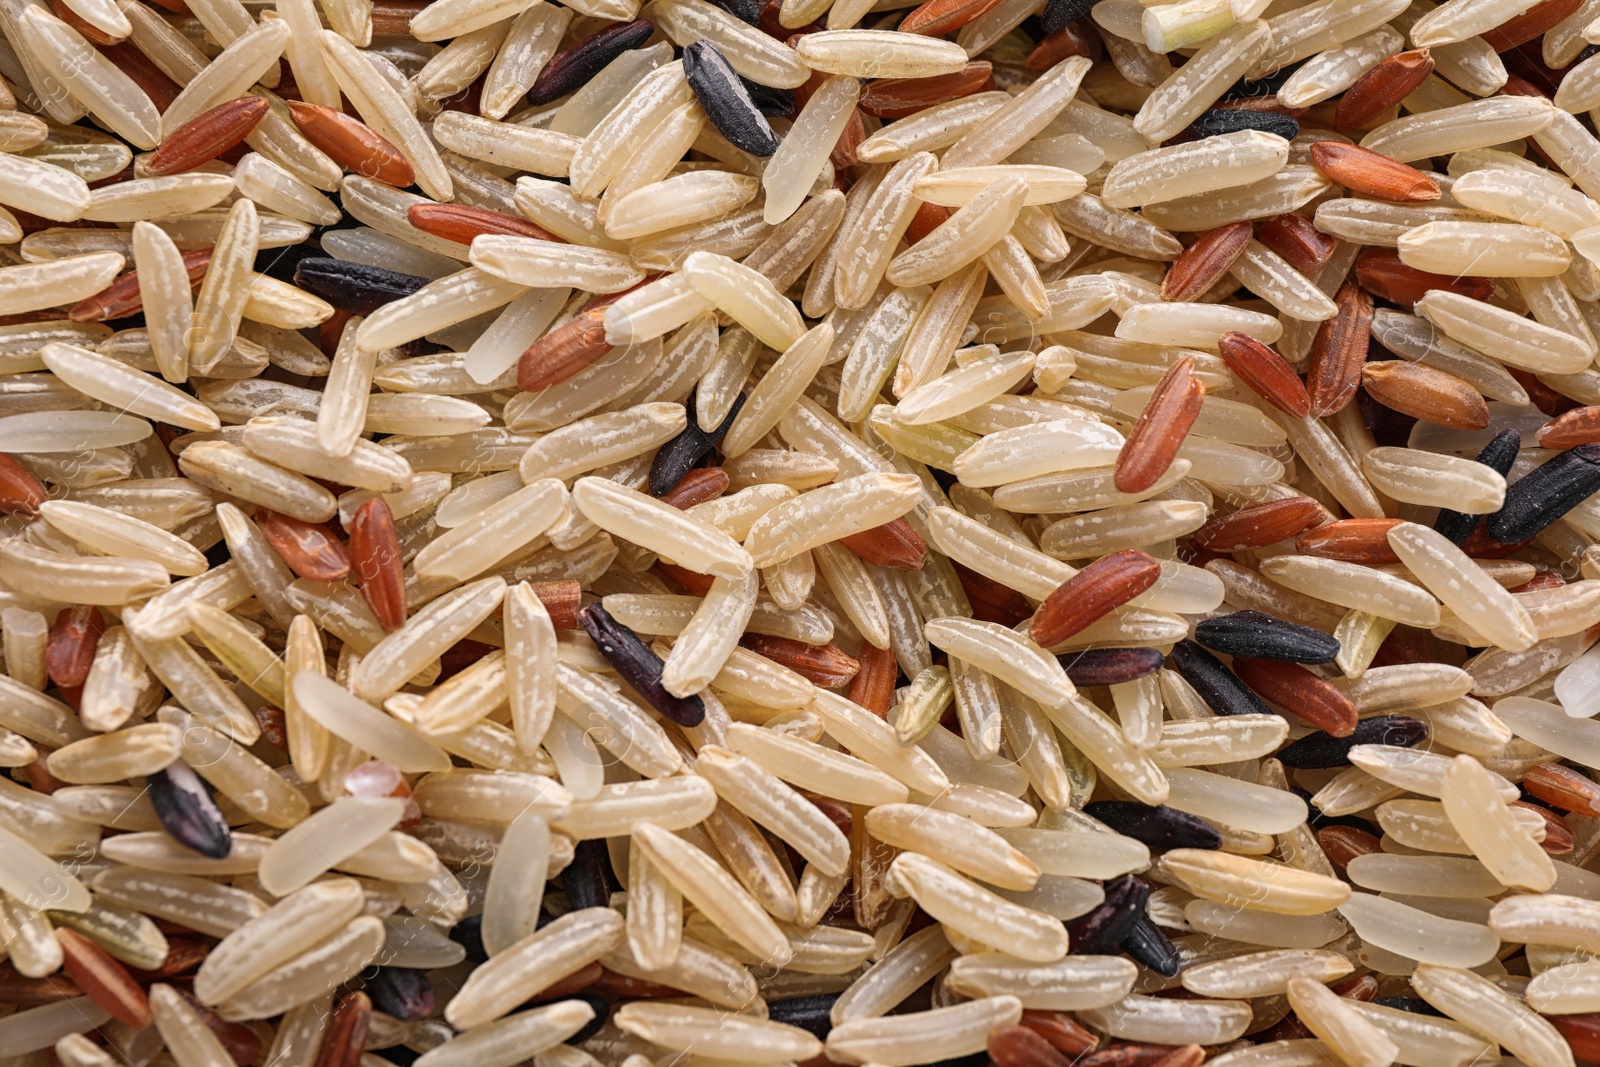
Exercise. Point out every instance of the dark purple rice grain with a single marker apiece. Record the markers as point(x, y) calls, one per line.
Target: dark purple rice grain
point(187, 812)
point(602, 1012)
point(1245, 88)
point(1057, 13)
point(1159, 827)
point(727, 102)
point(1231, 120)
point(569, 71)
point(1261, 636)
point(1415, 1005)
point(1499, 454)
point(1321, 751)
point(403, 992)
point(1219, 687)
point(1546, 493)
point(1102, 931)
point(638, 666)
point(354, 287)
point(587, 878)
point(748, 11)
point(1109, 666)
point(1152, 948)
point(771, 101)
point(468, 933)
point(684, 452)
point(808, 1013)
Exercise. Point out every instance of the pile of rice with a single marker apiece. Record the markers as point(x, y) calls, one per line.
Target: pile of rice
point(799, 532)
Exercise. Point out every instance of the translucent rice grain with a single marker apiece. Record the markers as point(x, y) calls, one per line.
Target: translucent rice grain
point(1172, 173)
point(899, 1040)
point(970, 232)
point(1004, 131)
point(1482, 817)
point(1483, 1008)
point(1476, 124)
point(1431, 479)
point(1220, 61)
point(1335, 70)
point(790, 172)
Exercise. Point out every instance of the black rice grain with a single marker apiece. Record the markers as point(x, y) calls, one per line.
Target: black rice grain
point(1321, 750)
point(1103, 930)
point(1261, 636)
point(684, 452)
point(1159, 827)
point(727, 102)
point(1546, 493)
point(187, 812)
point(569, 71)
point(1109, 666)
point(354, 287)
point(1499, 454)
point(638, 666)
point(1217, 685)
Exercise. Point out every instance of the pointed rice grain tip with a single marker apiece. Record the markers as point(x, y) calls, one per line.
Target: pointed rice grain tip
point(1532, 23)
point(1339, 352)
point(571, 70)
point(103, 980)
point(1351, 540)
point(462, 222)
point(1498, 455)
point(376, 561)
point(727, 101)
point(1292, 686)
point(873, 685)
point(677, 457)
point(1159, 827)
point(1425, 393)
point(892, 98)
point(187, 812)
point(895, 545)
point(1580, 426)
point(122, 299)
point(825, 666)
point(564, 351)
point(1563, 787)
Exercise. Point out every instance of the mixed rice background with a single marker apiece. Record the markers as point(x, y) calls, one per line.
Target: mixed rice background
point(799, 531)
